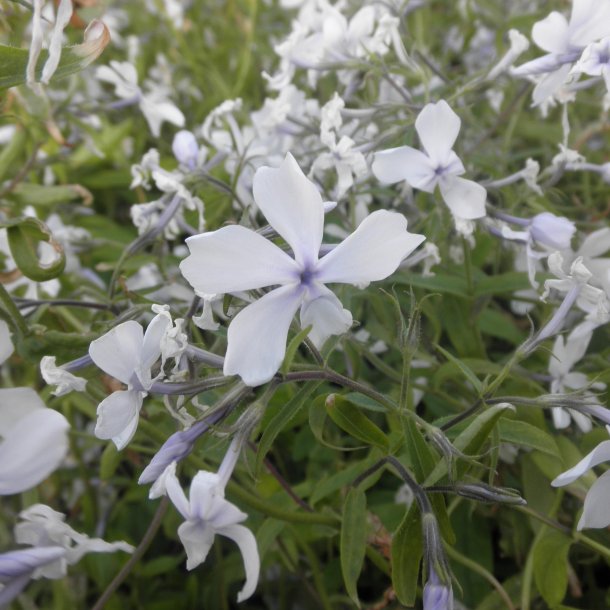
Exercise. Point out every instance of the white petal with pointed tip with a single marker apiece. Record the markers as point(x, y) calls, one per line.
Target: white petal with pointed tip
point(326, 316)
point(197, 538)
point(293, 207)
point(233, 259)
point(600, 454)
point(246, 542)
point(117, 417)
point(257, 335)
point(438, 128)
point(405, 163)
point(372, 252)
point(595, 511)
point(465, 198)
point(118, 351)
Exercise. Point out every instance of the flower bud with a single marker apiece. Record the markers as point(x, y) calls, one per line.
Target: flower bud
point(437, 596)
point(553, 231)
point(185, 148)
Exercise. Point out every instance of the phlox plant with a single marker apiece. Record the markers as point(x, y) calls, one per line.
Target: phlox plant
point(304, 304)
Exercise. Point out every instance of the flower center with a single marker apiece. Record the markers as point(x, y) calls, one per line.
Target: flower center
point(307, 276)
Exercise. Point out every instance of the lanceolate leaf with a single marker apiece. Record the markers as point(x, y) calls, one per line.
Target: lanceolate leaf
point(353, 540)
point(407, 550)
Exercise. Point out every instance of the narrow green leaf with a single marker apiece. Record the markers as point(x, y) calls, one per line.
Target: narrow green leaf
point(551, 566)
point(292, 348)
point(353, 540)
point(467, 372)
point(502, 283)
point(521, 433)
point(109, 462)
point(407, 551)
point(350, 419)
point(24, 236)
point(39, 194)
point(281, 420)
point(470, 440)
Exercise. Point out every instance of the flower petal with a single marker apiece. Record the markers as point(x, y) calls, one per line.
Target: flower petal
point(257, 335)
point(551, 33)
point(197, 538)
point(293, 207)
point(372, 252)
point(595, 510)
point(32, 449)
point(326, 316)
point(151, 346)
point(246, 542)
point(600, 454)
point(117, 417)
point(233, 259)
point(405, 163)
point(465, 198)
point(174, 491)
point(438, 128)
point(118, 351)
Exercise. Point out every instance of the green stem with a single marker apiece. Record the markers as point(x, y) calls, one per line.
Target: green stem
point(481, 571)
point(137, 555)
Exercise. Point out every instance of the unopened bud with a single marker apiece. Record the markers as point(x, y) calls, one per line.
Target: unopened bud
point(185, 148)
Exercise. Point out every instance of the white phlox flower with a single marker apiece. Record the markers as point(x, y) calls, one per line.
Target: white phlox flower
point(591, 250)
point(154, 105)
point(34, 440)
point(40, 526)
point(566, 353)
point(577, 287)
point(128, 354)
point(437, 127)
point(564, 41)
point(56, 375)
point(235, 258)
point(542, 235)
point(207, 513)
point(595, 61)
point(595, 510)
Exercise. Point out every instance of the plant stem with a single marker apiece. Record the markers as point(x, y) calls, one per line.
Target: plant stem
point(137, 555)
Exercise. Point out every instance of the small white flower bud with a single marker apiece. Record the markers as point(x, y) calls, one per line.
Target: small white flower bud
point(185, 148)
point(554, 231)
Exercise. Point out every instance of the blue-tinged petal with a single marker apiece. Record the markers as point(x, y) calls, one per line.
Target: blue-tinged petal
point(246, 542)
point(233, 259)
point(257, 335)
point(293, 206)
point(372, 252)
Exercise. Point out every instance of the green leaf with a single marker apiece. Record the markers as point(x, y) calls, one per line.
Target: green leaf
point(551, 566)
point(470, 440)
point(292, 348)
point(24, 236)
point(281, 420)
point(407, 551)
point(521, 433)
point(502, 283)
point(111, 458)
point(445, 284)
point(39, 194)
point(350, 419)
point(13, 61)
point(467, 372)
point(353, 540)
point(424, 459)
